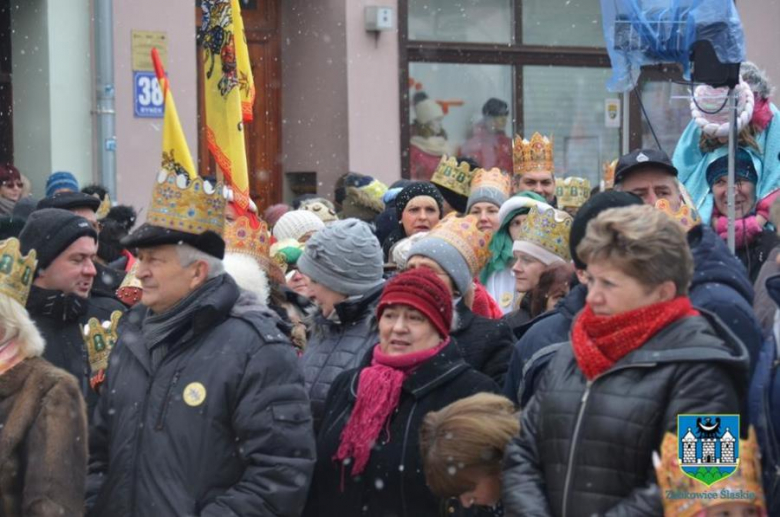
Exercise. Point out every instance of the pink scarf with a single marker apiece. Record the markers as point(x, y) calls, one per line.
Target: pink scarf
point(379, 392)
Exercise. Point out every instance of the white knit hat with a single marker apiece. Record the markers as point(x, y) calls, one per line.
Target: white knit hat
point(296, 224)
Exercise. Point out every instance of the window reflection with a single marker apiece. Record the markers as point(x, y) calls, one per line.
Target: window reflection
point(568, 103)
point(460, 110)
point(562, 23)
point(464, 21)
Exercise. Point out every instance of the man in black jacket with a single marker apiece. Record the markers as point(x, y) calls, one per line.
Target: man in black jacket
point(204, 412)
point(62, 300)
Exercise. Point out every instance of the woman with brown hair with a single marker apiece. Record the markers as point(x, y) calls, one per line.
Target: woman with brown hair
point(463, 447)
point(639, 355)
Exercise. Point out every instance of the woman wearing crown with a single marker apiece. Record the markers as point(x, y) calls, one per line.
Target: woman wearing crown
point(43, 420)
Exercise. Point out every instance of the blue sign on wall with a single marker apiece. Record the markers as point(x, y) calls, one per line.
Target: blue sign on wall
point(148, 101)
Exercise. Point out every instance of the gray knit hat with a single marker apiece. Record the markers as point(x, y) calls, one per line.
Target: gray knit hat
point(344, 257)
point(447, 256)
point(491, 186)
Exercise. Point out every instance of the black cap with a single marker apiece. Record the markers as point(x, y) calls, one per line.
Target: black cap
point(643, 159)
point(149, 236)
point(69, 201)
point(50, 231)
point(592, 208)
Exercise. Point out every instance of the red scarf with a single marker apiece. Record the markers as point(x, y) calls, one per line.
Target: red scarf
point(601, 341)
point(379, 392)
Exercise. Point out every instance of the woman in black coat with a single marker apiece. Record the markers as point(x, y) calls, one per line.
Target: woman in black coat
point(368, 451)
point(640, 355)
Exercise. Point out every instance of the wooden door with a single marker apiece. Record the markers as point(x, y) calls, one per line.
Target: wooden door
point(262, 23)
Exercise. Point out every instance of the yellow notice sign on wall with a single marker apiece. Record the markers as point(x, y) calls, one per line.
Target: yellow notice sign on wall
point(142, 42)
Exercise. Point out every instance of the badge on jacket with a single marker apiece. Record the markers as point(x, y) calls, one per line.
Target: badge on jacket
point(194, 394)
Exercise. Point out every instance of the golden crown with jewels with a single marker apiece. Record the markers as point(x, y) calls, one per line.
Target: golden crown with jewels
point(248, 237)
point(572, 191)
point(464, 235)
point(549, 229)
point(187, 205)
point(453, 176)
point(533, 155)
point(100, 338)
point(16, 271)
point(675, 483)
point(492, 178)
point(686, 216)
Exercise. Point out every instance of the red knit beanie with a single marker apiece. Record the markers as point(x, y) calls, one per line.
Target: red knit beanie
point(420, 289)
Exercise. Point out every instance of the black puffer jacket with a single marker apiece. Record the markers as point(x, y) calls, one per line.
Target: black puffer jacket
point(585, 448)
point(393, 482)
point(60, 318)
point(484, 343)
point(334, 347)
point(221, 427)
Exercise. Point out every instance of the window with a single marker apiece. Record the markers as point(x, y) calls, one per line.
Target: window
point(543, 58)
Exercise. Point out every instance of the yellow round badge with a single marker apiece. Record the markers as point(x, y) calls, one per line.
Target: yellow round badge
point(506, 299)
point(194, 394)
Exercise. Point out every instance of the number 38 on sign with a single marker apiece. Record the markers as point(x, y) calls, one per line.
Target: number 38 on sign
point(148, 98)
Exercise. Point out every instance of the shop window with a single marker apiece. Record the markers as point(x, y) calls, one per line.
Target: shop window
point(567, 103)
point(464, 21)
point(460, 110)
point(572, 23)
point(668, 110)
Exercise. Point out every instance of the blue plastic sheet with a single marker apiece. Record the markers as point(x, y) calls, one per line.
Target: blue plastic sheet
point(649, 32)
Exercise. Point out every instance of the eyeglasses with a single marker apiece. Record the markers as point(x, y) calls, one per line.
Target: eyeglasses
point(12, 184)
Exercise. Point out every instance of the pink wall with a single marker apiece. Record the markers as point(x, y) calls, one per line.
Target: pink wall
point(139, 140)
point(760, 18)
point(315, 134)
point(340, 94)
point(374, 118)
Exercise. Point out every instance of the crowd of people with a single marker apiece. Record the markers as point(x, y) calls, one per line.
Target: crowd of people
point(487, 342)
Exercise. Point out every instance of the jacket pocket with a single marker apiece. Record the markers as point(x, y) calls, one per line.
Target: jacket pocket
point(291, 412)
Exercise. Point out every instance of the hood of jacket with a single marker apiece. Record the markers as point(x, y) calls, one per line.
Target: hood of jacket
point(714, 263)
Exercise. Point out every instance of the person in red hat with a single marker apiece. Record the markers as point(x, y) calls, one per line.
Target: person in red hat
point(368, 448)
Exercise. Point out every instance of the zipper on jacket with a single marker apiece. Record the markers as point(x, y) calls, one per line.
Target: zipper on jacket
point(402, 467)
point(573, 448)
point(166, 401)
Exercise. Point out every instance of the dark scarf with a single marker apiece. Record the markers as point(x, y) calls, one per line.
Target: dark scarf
point(57, 305)
point(601, 341)
point(6, 206)
point(378, 394)
point(156, 329)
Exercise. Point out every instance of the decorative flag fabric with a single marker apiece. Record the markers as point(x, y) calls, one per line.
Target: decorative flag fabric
point(229, 92)
point(176, 155)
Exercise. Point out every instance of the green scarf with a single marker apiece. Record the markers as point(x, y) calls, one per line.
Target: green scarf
point(501, 245)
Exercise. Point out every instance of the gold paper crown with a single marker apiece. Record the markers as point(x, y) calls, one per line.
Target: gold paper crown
point(100, 339)
point(104, 208)
point(687, 217)
point(464, 235)
point(672, 480)
point(548, 229)
point(609, 175)
point(572, 192)
point(492, 178)
point(536, 155)
point(245, 237)
point(186, 205)
point(453, 176)
point(130, 290)
point(16, 271)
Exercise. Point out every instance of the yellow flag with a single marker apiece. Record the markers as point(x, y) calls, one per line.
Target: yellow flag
point(176, 155)
point(229, 86)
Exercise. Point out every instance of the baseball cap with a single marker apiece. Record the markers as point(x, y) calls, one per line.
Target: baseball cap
point(643, 159)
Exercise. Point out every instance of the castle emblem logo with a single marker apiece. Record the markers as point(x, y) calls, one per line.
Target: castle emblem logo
point(708, 446)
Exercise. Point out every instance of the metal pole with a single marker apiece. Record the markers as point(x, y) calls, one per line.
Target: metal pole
point(732, 157)
point(626, 120)
point(104, 86)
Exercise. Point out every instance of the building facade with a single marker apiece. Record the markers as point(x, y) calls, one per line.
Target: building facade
point(333, 97)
